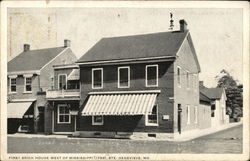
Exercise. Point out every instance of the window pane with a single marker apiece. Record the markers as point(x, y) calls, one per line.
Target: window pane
point(66, 118)
point(123, 76)
point(97, 78)
point(28, 80)
point(61, 118)
point(98, 119)
point(13, 81)
point(13, 88)
point(61, 110)
point(66, 110)
point(152, 118)
point(28, 88)
point(151, 75)
point(62, 82)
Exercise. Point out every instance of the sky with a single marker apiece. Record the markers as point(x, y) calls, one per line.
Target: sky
point(216, 33)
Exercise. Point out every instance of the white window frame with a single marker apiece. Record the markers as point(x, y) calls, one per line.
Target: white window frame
point(97, 123)
point(195, 114)
point(94, 69)
point(119, 85)
point(179, 76)
point(58, 114)
point(15, 85)
point(58, 81)
point(146, 74)
point(188, 79)
point(25, 77)
point(188, 114)
point(152, 124)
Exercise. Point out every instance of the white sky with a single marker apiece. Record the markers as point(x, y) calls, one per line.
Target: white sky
point(217, 33)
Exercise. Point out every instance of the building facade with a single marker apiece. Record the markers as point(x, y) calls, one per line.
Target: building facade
point(140, 86)
point(30, 74)
point(63, 100)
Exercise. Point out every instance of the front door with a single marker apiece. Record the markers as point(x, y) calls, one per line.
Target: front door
point(40, 119)
point(179, 118)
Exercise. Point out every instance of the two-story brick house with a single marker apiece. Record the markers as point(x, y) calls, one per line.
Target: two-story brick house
point(140, 85)
point(30, 74)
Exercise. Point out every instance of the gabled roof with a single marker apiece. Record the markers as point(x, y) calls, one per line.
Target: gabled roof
point(212, 93)
point(136, 46)
point(204, 98)
point(33, 59)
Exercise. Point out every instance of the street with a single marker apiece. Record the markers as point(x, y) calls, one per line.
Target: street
point(227, 141)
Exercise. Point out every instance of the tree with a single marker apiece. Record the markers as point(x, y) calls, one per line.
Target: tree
point(234, 92)
point(225, 80)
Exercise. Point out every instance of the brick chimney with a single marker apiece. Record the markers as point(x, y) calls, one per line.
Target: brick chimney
point(26, 47)
point(183, 25)
point(66, 43)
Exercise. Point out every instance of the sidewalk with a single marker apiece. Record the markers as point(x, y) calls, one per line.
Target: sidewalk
point(189, 135)
point(185, 136)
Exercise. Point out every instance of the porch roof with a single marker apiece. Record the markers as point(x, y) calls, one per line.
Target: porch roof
point(120, 103)
point(74, 75)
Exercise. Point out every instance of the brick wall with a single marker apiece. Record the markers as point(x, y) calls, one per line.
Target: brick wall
point(20, 94)
point(66, 57)
point(137, 82)
point(182, 94)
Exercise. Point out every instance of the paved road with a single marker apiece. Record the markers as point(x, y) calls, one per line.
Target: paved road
point(227, 141)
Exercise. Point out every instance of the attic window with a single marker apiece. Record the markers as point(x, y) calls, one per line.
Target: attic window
point(151, 75)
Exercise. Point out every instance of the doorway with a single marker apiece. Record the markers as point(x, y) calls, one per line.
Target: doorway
point(40, 120)
point(179, 118)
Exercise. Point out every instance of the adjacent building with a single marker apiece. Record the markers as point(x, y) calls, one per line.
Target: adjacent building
point(63, 100)
point(217, 98)
point(30, 74)
point(140, 86)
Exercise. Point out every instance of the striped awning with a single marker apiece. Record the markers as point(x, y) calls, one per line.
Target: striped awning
point(120, 103)
point(74, 75)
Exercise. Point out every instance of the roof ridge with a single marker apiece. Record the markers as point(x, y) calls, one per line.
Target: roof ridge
point(44, 49)
point(153, 33)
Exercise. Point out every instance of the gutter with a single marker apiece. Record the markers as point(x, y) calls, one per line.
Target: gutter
point(135, 60)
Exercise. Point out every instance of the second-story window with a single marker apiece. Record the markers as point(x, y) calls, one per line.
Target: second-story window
point(123, 77)
point(151, 75)
point(62, 81)
point(97, 78)
point(12, 84)
point(28, 84)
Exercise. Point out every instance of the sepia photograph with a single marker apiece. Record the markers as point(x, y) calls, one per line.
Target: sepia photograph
point(109, 81)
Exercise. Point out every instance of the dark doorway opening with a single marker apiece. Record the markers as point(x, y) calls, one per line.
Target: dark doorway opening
point(40, 119)
point(179, 118)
